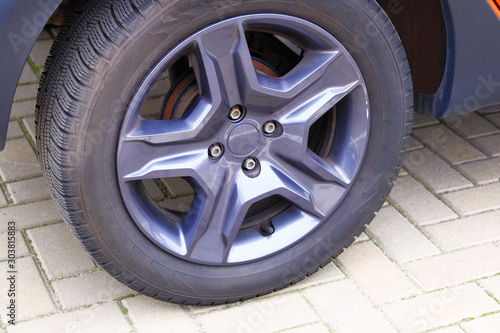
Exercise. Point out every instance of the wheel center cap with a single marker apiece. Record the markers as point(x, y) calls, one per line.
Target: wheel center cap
point(243, 139)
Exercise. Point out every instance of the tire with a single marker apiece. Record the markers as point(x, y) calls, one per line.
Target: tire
point(267, 194)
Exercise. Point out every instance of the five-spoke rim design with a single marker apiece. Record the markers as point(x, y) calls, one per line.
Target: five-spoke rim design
point(235, 160)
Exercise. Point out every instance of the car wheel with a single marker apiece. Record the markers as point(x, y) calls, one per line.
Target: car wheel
point(212, 151)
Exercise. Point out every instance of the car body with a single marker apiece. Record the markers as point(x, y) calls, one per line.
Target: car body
point(462, 55)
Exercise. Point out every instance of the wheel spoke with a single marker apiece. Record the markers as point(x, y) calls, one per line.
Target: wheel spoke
point(140, 160)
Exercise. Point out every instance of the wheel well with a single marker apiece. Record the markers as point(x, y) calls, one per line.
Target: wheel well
point(420, 25)
point(422, 29)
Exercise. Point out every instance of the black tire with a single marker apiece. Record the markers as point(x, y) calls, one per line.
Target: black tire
point(92, 71)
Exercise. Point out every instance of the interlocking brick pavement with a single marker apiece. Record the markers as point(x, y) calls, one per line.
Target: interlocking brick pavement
point(430, 261)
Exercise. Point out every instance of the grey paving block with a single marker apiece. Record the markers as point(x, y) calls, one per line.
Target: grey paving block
point(346, 309)
point(22, 109)
point(481, 172)
point(59, 251)
point(18, 161)
point(150, 315)
point(316, 328)
point(470, 125)
point(89, 289)
point(492, 285)
point(419, 120)
point(29, 123)
point(152, 189)
point(375, 274)
point(326, 274)
point(466, 232)
point(28, 190)
point(454, 268)
point(398, 237)
point(440, 308)
point(433, 172)
point(27, 91)
point(414, 145)
point(3, 199)
point(487, 324)
point(28, 75)
point(474, 200)
point(98, 318)
point(264, 315)
point(21, 247)
point(363, 236)
point(14, 130)
point(489, 144)
point(449, 329)
point(447, 144)
point(40, 52)
point(494, 118)
point(420, 205)
point(44, 35)
point(29, 215)
point(32, 298)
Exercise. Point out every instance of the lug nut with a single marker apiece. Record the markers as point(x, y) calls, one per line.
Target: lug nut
point(215, 150)
point(235, 113)
point(269, 127)
point(249, 164)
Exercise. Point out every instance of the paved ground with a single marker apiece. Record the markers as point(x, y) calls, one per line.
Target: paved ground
point(430, 261)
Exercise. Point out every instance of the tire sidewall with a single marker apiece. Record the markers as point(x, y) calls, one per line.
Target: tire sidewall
point(350, 21)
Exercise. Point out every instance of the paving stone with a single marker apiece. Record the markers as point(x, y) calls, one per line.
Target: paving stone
point(420, 205)
point(494, 118)
point(326, 274)
point(398, 237)
point(18, 161)
point(27, 91)
point(32, 297)
point(474, 200)
point(440, 308)
point(449, 329)
point(346, 309)
point(44, 35)
point(265, 315)
point(178, 186)
point(28, 190)
point(29, 123)
point(3, 199)
point(96, 319)
point(40, 52)
point(59, 251)
point(448, 145)
point(414, 145)
point(487, 324)
point(29, 215)
point(482, 172)
point(419, 120)
point(489, 144)
point(403, 173)
point(22, 109)
point(442, 178)
point(466, 232)
point(377, 276)
point(150, 315)
point(457, 267)
point(492, 285)
point(470, 125)
point(14, 130)
point(28, 75)
point(21, 247)
point(88, 289)
point(363, 236)
point(316, 328)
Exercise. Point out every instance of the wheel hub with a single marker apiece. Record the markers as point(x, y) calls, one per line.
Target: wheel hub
point(243, 140)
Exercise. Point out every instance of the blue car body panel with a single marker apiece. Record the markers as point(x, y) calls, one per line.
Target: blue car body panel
point(471, 80)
